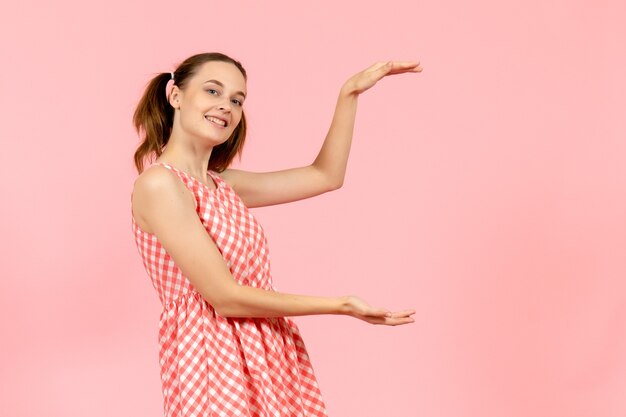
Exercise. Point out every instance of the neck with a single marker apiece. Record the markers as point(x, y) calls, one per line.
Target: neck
point(187, 156)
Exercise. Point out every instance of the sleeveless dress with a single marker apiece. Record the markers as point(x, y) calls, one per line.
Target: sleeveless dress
point(214, 366)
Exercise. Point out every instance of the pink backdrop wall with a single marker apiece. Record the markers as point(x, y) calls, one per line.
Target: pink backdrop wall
point(486, 192)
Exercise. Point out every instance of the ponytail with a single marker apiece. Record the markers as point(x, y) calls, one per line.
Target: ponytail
point(153, 117)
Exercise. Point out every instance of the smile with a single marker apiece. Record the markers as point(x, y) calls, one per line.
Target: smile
point(216, 121)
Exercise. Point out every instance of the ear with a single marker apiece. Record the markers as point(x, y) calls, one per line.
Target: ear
point(175, 96)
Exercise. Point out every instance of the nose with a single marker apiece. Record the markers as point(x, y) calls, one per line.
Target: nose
point(225, 104)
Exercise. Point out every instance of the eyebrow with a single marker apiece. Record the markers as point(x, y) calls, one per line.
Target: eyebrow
point(222, 85)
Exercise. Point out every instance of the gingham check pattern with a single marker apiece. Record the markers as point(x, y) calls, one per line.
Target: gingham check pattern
point(212, 366)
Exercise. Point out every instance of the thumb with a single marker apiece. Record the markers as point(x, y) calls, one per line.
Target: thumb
point(385, 68)
point(380, 312)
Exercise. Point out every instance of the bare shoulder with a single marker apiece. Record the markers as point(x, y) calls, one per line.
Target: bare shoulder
point(153, 185)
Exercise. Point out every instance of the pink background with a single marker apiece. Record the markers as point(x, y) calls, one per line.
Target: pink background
point(486, 192)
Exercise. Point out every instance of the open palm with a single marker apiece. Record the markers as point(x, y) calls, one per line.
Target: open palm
point(360, 309)
point(366, 79)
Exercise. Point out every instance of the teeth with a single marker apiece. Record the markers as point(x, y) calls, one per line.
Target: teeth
point(218, 121)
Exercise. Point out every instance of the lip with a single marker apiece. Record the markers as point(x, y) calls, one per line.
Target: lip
point(218, 117)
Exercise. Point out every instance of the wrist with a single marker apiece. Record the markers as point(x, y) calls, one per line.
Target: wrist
point(344, 305)
point(348, 90)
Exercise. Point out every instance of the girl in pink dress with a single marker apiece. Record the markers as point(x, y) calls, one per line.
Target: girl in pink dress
point(228, 346)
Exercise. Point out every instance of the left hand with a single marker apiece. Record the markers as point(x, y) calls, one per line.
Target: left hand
point(366, 79)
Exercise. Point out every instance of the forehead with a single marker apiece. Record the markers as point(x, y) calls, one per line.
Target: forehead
point(225, 72)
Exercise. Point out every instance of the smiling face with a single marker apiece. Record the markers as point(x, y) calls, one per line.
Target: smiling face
point(211, 104)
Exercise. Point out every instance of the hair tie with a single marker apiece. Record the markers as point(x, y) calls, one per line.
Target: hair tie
point(172, 75)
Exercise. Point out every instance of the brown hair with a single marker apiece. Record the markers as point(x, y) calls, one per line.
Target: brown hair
point(154, 115)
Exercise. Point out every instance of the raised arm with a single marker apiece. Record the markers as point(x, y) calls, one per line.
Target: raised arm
point(328, 170)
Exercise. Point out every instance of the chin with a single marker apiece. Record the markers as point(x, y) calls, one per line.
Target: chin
point(217, 141)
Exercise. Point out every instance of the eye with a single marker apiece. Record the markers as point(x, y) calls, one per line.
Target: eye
point(239, 103)
point(210, 89)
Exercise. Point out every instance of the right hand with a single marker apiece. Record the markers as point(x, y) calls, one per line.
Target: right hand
point(358, 308)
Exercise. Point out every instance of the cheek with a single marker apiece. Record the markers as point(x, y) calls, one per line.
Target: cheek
point(236, 120)
point(190, 123)
point(186, 120)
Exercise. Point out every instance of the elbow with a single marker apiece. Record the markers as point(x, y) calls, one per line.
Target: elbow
point(225, 310)
point(221, 312)
point(335, 185)
point(327, 179)
point(228, 306)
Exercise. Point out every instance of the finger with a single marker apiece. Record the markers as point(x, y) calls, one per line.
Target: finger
point(394, 65)
point(401, 318)
point(402, 71)
point(383, 70)
point(403, 313)
point(405, 64)
point(379, 312)
point(373, 320)
point(399, 321)
point(379, 70)
point(377, 66)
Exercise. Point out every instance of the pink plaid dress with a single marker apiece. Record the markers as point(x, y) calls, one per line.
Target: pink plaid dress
point(213, 366)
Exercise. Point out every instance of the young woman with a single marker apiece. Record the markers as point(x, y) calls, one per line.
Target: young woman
point(227, 344)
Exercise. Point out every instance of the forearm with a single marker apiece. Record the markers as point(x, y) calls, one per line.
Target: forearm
point(249, 301)
point(333, 156)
